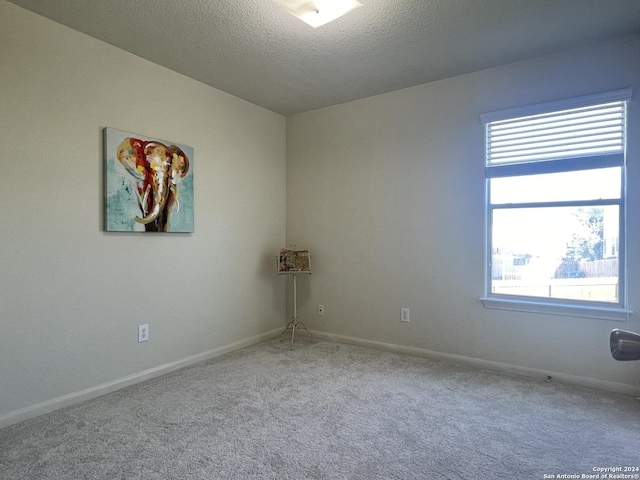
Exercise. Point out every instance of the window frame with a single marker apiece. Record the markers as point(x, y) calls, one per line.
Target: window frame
point(579, 308)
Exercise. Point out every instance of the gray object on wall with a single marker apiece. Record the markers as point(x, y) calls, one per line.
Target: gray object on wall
point(625, 345)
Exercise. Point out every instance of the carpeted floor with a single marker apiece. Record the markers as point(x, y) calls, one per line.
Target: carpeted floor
point(328, 411)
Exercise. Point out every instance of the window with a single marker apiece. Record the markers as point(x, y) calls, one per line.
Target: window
point(555, 176)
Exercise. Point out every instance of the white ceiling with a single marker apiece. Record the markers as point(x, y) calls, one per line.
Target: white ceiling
point(255, 50)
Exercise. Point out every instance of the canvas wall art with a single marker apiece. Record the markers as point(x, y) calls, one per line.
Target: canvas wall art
point(149, 184)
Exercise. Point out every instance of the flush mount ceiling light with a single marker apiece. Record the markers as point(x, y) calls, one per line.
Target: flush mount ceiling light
point(318, 12)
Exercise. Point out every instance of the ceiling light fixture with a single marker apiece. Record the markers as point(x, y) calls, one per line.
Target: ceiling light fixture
point(318, 12)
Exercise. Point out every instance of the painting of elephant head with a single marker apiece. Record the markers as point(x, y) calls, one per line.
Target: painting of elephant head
point(149, 184)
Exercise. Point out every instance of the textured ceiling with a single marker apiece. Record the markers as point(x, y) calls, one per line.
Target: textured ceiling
point(254, 50)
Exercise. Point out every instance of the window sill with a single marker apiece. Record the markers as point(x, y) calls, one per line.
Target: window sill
point(518, 305)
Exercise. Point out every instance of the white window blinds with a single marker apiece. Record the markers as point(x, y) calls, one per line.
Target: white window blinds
point(576, 132)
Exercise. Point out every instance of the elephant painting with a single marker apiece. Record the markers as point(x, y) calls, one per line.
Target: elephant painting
point(150, 180)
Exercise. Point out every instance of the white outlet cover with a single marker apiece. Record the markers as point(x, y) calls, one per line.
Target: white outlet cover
point(143, 333)
point(404, 315)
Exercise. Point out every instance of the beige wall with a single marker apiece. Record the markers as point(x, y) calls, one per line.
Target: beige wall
point(71, 295)
point(388, 192)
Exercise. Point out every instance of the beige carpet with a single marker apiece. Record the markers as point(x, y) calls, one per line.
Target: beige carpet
point(328, 411)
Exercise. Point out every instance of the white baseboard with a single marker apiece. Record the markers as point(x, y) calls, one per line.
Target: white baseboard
point(41, 408)
point(47, 406)
point(542, 375)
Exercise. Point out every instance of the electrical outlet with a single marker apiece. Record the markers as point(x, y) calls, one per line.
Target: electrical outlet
point(321, 310)
point(143, 333)
point(404, 314)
